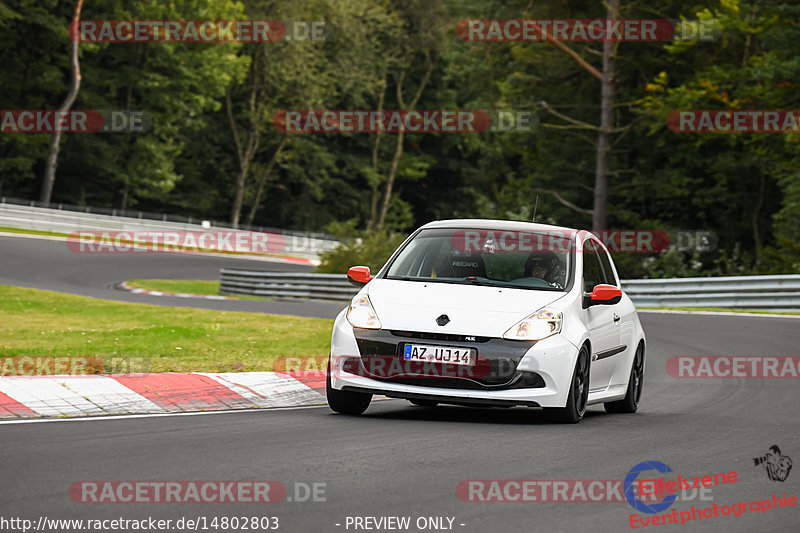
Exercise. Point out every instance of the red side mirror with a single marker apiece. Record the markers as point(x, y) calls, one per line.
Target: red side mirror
point(603, 295)
point(359, 275)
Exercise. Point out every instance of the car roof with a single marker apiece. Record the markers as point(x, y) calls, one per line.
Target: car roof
point(501, 225)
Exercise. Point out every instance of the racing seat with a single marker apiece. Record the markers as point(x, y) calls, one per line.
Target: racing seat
point(467, 265)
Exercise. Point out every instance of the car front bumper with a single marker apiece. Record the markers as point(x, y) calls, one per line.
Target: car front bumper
point(536, 374)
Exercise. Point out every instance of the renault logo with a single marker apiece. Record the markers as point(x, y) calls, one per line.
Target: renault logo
point(443, 320)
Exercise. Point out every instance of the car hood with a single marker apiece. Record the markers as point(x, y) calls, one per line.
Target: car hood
point(472, 309)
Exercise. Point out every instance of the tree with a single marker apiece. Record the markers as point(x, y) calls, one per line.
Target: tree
point(423, 41)
point(38, 66)
point(738, 183)
point(283, 75)
point(176, 85)
point(66, 105)
point(338, 71)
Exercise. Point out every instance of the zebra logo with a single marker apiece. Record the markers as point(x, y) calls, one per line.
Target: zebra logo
point(777, 466)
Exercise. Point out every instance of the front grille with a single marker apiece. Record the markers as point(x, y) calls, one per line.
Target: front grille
point(495, 365)
point(521, 380)
point(439, 336)
point(375, 368)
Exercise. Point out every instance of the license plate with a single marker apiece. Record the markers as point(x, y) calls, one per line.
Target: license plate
point(438, 354)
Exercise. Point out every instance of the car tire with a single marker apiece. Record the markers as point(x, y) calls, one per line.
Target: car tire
point(630, 403)
point(578, 395)
point(424, 403)
point(345, 402)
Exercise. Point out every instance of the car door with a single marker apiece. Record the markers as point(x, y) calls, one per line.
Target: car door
point(601, 320)
point(624, 312)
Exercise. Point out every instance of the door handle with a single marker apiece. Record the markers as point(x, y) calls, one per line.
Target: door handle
point(616, 317)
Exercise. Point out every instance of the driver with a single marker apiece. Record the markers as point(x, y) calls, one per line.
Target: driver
point(546, 266)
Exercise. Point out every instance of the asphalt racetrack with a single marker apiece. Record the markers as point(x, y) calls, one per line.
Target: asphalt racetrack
point(406, 461)
point(50, 265)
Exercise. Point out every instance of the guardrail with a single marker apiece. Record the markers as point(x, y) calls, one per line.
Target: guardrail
point(287, 285)
point(68, 220)
point(771, 293)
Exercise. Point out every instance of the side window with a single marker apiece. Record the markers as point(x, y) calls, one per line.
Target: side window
point(609, 277)
point(592, 270)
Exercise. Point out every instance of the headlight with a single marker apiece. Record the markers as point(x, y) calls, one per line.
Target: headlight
point(362, 315)
point(538, 326)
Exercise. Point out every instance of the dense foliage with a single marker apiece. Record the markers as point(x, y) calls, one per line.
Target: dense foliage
point(745, 187)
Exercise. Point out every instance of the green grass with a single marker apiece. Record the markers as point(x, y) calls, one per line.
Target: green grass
point(720, 310)
point(43, 323)
point(5, 229)
point(176, 285)
point(186, 286)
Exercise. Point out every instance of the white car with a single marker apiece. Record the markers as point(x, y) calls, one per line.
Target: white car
point(490, 313)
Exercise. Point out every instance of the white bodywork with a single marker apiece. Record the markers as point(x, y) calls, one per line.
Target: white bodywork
point(490, 312)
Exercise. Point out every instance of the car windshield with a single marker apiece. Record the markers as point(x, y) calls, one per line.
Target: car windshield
point(525, 260)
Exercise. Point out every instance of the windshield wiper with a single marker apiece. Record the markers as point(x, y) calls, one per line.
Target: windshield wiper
point(475, 281)
point(412, 278)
